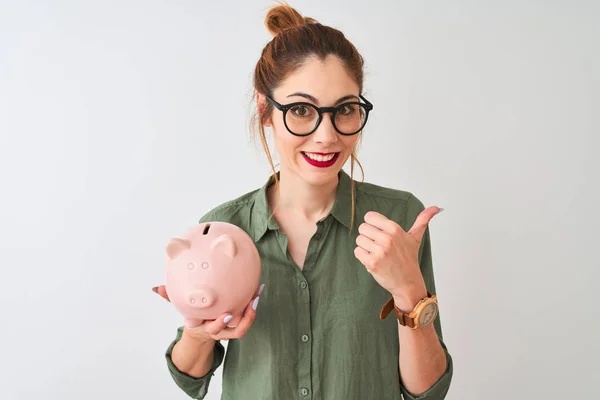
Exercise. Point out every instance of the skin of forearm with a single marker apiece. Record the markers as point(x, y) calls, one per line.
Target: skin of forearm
point(193, 356)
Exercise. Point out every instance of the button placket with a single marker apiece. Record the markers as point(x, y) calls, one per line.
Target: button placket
point(304, 310)
point(304, 328)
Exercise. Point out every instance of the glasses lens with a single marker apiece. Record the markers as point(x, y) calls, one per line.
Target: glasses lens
point(301, 119)
point(350, 118)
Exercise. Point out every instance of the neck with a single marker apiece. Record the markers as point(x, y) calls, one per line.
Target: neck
point(303, 200)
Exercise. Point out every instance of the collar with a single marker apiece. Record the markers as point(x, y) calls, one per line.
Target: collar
point(263, 220)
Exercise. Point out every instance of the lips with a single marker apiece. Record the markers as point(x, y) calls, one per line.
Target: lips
point(321, 160)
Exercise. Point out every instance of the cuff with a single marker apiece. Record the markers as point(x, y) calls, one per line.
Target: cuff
point(439, 389)
point(194, 387)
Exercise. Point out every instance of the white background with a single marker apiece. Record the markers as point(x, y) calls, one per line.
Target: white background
point(122, 122)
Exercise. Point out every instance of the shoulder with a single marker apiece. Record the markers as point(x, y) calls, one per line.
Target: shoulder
point(234, 211)
point(401, 205)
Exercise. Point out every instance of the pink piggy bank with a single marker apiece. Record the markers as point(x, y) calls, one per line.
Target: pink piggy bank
point(214, 268)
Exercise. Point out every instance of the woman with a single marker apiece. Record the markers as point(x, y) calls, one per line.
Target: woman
point(334, 252)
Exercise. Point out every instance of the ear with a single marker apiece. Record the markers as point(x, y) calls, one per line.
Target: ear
point(261, 105)
point(225, 244)
point(176, 246)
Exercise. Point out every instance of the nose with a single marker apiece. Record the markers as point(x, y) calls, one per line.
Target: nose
point(325, 132)
point(201, 298)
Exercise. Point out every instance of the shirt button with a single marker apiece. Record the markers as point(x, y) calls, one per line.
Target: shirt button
point(305, 338)
point(303, 285)
point(304, 391)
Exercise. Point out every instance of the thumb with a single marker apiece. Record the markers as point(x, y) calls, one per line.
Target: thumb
point(418, 228)
point(162, 291)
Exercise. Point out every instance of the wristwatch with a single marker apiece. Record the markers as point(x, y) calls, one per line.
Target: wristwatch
point(421, 316)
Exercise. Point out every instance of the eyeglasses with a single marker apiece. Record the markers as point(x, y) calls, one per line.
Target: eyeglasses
point(302, 119)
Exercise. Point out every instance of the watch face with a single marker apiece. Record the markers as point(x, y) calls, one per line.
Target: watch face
point(428, 315)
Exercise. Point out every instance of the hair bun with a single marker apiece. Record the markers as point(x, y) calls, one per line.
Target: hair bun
point(283, 17)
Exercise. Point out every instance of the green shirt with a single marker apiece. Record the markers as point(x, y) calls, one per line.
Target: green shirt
point(317, 333)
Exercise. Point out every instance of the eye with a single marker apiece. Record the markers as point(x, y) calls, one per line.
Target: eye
point(346, 109)
point(302, 111)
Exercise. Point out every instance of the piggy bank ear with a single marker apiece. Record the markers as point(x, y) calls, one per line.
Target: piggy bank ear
point(176, 246)
point(225, 244)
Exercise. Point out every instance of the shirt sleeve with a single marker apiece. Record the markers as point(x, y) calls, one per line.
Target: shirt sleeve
point(439, 389)
point(194, 387)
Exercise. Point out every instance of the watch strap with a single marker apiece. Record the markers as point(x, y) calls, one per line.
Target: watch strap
point(387, 309)
point(403, 318)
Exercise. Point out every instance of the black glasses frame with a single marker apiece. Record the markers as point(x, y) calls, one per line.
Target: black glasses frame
point(284, 108)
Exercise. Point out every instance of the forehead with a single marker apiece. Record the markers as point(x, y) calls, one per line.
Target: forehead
point(326, 80)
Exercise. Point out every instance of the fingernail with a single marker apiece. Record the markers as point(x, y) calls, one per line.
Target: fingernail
point(155, 289)
point(255, 303)
point(441, 209)
point(227, 319)
point(261, 288)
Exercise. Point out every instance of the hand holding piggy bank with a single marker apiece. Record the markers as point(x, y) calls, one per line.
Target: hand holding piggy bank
point(213, 269)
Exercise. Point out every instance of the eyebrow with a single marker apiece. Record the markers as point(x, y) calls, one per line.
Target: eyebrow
point(314, 100)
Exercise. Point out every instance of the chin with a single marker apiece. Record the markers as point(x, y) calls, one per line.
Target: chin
point(320, 179)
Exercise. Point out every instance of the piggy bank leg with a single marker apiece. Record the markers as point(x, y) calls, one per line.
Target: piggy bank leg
point(192, 323)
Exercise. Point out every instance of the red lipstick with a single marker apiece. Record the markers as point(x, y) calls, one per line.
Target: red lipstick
point(321, 164)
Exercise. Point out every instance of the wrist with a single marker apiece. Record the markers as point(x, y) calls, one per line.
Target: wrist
point(193, 356)
point(407, 300)
point(197, 340)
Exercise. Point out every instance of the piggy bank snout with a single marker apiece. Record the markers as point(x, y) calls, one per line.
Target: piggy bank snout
point(201, 298)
